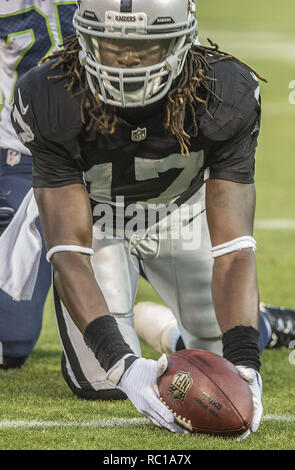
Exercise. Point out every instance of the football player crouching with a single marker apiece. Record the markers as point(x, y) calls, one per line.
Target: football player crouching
point(146, 116)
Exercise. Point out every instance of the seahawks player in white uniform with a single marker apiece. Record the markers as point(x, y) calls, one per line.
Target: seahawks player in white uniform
point(133, 112)
point(28, 31)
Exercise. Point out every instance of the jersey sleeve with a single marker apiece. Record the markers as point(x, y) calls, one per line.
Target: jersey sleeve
point(232, 136)
point(40, 116)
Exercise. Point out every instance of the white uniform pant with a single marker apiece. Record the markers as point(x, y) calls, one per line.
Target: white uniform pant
point(175, 255)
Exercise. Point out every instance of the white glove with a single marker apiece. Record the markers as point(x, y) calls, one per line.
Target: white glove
point(255, 383)
point(139, 382)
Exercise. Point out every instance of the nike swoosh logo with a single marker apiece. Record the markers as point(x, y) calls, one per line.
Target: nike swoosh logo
point(189, 221)
point(23, 109)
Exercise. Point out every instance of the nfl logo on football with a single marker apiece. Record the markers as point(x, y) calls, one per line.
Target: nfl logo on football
point(180, 385)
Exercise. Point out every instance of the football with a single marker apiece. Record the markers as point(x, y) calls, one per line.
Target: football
point(206, 393)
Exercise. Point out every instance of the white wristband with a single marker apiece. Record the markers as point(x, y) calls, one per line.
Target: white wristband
point(233, 245)
point(74, 248)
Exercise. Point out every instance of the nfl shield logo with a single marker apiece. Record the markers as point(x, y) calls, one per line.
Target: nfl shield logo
point(138, 135)
point(180, 385)
point(13, 158)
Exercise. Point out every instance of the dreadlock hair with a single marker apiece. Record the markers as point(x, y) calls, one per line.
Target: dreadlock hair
point(95, 114)
point(99, 117)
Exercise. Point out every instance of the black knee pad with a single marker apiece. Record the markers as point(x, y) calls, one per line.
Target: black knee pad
point(12, 362)
point(86, 394)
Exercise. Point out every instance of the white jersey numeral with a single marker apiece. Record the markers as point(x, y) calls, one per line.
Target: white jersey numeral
point(27, 134)
point(146, 169)
point(100, 176)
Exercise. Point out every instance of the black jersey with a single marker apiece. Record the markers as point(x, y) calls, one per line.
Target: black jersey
point(141, 161)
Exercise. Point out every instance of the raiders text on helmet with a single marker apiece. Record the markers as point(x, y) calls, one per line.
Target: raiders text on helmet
point(168, 27)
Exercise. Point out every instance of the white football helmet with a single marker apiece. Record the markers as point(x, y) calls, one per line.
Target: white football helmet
point(157, 34)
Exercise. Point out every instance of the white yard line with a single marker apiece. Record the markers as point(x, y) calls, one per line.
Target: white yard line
point(109, 423)
point(281, 52)
point(261, 45)
point(101, 423)
point(250, 36)
point(283, 108)
point(280, 418)
point(275, 224)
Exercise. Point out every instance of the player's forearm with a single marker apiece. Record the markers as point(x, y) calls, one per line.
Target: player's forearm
point(235, 291)
point(77, 288)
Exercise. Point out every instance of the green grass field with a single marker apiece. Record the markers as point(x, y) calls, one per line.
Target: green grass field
point(38, 411)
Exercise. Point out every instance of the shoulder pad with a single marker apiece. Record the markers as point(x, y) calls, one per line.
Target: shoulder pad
point(238, 89)
point(48, 108)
